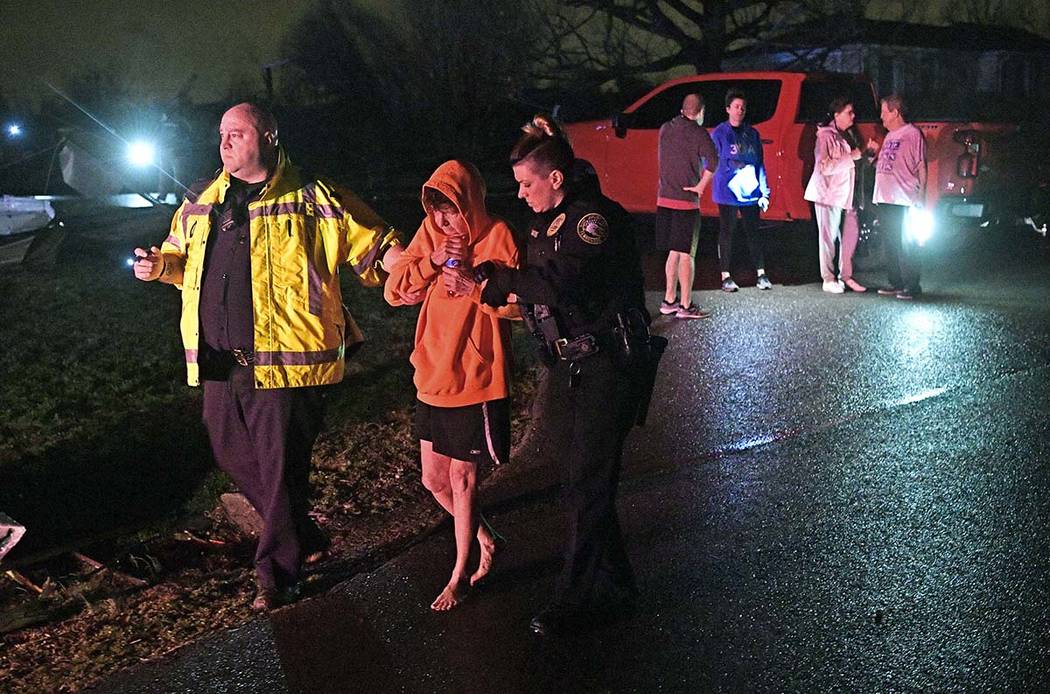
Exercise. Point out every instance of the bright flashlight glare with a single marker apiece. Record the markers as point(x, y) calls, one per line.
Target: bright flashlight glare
point(14, 130)
point(921, 321)
point(141, 153)
point(918, 225)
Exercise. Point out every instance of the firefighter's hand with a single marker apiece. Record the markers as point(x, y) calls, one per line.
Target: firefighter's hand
point(763, 203)
point(149, 264)
point(391, 256)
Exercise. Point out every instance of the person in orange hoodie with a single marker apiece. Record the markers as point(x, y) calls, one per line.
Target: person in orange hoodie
point(461, 355)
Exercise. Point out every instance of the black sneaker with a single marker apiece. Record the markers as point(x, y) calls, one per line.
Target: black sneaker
point(668, 308)
point(889, 291)
point(557, 620)
point(763, 282)
point(728, 285)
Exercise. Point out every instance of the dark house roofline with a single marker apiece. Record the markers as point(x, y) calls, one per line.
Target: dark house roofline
point(965, 37)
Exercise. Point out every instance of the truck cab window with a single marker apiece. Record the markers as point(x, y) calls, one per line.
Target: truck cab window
point(762, 96)
point(817, 94)
point(661, 107)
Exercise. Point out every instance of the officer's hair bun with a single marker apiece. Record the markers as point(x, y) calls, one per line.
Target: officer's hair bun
point(543, 143)
point(541, 125)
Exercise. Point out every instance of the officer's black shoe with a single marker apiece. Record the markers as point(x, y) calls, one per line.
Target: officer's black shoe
point(558, 620)
point(561, 620)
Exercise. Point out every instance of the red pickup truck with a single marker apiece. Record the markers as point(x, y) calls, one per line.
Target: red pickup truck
point(972, 167)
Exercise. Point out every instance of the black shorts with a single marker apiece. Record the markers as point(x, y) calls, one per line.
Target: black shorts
point(677, 230)
point(474, 433)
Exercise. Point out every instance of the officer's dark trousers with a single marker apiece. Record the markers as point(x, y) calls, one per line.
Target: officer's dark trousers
point(902, 254)
point(589, 423)
point(262, 439)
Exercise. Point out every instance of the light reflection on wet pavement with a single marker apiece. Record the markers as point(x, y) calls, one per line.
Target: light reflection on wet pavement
point(832, 493)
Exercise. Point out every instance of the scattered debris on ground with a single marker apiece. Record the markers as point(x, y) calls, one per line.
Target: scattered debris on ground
point(81, 615)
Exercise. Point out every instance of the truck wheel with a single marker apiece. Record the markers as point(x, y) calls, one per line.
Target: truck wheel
point(953, 236)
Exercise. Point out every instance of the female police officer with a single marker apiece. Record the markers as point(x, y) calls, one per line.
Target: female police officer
point(580, 290)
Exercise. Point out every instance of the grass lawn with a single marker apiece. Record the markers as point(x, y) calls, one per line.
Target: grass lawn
point(102, 451)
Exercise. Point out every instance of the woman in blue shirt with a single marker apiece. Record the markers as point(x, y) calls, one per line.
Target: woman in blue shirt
point(739, 188)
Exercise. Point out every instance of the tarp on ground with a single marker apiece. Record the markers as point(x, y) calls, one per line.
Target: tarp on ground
point(88, 174)
point(19, 215)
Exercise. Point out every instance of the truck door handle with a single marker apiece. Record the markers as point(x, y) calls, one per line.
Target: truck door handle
point(766, 142)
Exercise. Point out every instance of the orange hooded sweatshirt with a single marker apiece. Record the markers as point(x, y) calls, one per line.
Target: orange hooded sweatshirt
point(462, 348)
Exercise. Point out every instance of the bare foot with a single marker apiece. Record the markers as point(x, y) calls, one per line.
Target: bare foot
point(488, 551)
point(453, 594)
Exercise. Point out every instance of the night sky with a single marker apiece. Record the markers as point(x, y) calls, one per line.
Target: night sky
point(158, 46)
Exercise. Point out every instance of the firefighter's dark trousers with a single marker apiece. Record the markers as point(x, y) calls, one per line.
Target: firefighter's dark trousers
point(263, 439)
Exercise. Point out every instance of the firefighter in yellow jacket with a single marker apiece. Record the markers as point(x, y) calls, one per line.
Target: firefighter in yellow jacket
point(256, 252)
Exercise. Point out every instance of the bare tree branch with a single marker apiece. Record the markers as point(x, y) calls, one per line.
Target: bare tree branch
point(612, 39)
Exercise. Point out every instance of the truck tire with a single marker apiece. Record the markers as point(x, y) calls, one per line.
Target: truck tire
point(953, 236)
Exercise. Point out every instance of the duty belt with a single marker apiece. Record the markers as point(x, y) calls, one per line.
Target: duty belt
point(242, 357)
point(585, 345)
point(616, 340)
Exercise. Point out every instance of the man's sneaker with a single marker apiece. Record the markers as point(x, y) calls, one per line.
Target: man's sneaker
point(763, 282)
point(833, 287)
point(890, 291)
point(854, 285)
point(908, 294)
point(668, 308)
point(728, 285)
point(694, 311)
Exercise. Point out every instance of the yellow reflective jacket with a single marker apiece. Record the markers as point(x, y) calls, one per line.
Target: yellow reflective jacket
point(300, 231)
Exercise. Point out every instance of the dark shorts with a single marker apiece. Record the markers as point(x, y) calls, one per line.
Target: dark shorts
point(474, 433)
point(677, 230)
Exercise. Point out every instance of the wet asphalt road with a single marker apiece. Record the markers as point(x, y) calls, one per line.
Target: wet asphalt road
point(833, 493)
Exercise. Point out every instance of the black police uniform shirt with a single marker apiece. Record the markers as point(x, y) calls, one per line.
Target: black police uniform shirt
point(226, 313)
point(582, 261)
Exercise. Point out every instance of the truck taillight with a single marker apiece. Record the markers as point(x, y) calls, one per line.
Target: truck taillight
point(966, 165)
point(969, 162)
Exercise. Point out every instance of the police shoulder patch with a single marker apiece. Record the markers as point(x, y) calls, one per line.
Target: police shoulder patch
point(593, 229)
point(556, 224)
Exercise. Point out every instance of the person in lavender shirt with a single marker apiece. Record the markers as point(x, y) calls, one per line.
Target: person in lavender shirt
point(900, 186)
